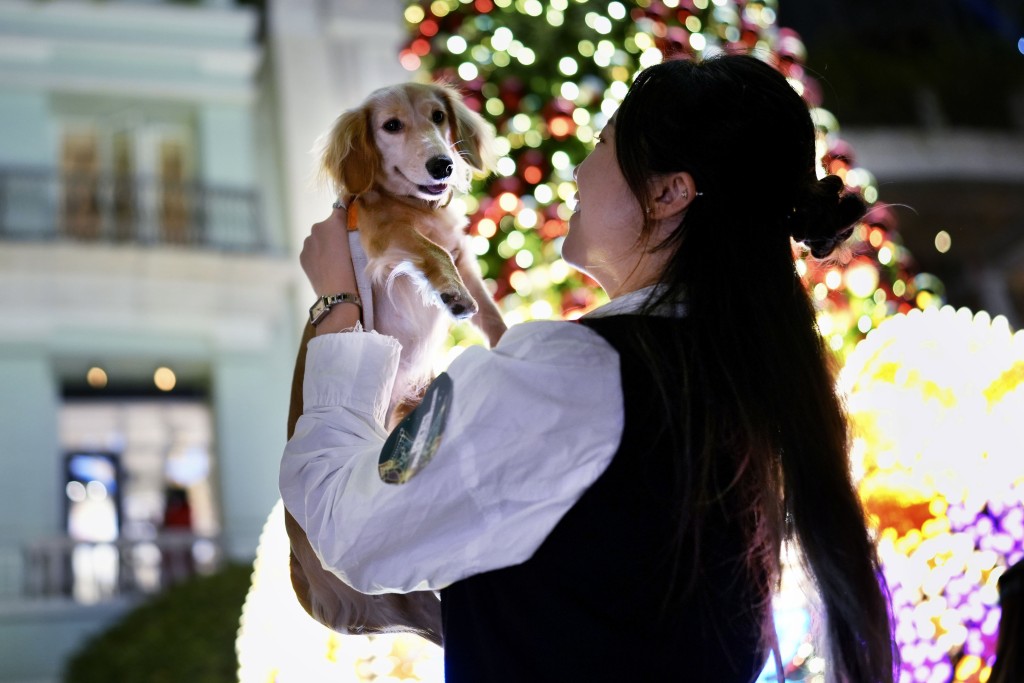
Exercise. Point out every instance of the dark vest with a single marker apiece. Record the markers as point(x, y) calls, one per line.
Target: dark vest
point(593, 603)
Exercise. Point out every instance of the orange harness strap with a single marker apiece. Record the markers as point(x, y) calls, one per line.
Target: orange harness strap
point(353, 215)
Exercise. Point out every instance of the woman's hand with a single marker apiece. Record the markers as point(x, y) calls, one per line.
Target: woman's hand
point(326, 259)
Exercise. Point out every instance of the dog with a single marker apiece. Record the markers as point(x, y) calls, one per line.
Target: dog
point(396, 161)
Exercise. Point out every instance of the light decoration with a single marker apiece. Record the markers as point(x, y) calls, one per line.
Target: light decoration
point(279, 643)
point(936, 398)
point(548, 76)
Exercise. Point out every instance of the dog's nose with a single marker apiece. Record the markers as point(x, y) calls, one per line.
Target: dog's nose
point(439, 167)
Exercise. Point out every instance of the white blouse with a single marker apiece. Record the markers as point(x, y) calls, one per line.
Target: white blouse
point(500, 455)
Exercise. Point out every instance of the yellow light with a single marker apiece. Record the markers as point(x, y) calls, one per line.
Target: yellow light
point(541, 310)
point(643, 41)
point(480, 244)
point(861, 279)
point(527, 218)
point(650, 57)
point(697, 40)
point(508, 202)
point(825, 324)
point(521, 282)
point(899, 288)
point(96, 377)
point(526, 56)
point(414, 14)
point(501, 39)
point(521, 123)
point(456, 44)
point(506, 166)
point(524, 258)
point(967, 667)
point(693, 24)
point(487, 228)
point(543, 194)
point(516, 239)
point(566, 190)
point(164, 378)
point(559, 271)
point(439, 8)
point(494, 106)
point(943, 242)
point(833, 279)
point(278, 641)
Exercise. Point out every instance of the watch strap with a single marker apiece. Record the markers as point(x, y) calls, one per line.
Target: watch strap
point(322, 306)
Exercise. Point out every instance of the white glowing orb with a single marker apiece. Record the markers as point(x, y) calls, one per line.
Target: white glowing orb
point(279, 643)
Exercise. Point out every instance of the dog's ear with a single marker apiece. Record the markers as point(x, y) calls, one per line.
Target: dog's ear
point(350, 159)
point(472, 135)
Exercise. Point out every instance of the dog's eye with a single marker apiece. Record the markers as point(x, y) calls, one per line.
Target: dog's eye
point(393, 125)
point(438, 116)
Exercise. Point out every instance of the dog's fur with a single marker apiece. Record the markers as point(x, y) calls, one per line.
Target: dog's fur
point(397, 159)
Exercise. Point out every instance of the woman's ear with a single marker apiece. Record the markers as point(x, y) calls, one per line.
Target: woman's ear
point(671, 194)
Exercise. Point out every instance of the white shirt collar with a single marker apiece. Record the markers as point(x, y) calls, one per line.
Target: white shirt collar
point(632, 302)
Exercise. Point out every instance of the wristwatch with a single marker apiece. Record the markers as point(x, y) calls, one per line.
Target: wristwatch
point(322, 306)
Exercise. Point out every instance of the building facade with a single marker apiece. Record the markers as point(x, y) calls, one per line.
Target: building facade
point(147, 309)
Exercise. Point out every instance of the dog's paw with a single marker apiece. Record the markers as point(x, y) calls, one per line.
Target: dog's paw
point(459, 303)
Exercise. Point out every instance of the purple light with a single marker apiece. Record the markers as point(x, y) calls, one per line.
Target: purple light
point(942, 672)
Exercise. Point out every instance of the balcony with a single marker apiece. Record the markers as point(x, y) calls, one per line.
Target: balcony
point(42, 205)
point(92, 572)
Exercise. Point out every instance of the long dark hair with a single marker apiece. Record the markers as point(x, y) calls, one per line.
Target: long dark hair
point(1009, 664)
point(750, 348)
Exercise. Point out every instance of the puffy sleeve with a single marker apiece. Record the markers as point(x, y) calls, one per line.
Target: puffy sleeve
point(503, 444)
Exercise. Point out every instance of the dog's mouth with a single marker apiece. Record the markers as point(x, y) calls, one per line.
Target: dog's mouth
point(433, 190)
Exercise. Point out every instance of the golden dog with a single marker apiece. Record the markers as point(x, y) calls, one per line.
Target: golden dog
point(396, 161)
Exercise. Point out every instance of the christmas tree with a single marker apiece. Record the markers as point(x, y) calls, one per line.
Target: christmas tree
point(548, 75)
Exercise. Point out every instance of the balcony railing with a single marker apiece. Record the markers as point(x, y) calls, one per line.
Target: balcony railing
point(91, 572)
point(45, 204)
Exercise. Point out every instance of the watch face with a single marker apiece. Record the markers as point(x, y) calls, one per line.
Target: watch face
point(317, 310)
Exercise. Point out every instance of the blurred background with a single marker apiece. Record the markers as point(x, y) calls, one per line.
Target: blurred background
point(157, 176)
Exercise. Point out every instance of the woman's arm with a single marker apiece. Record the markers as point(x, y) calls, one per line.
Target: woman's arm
point(474, 479)
point(328, 264)
point(326, 258)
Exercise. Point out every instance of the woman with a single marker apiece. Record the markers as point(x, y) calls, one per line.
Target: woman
point(606, 500)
